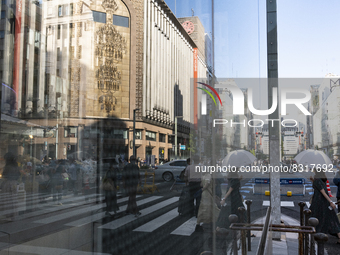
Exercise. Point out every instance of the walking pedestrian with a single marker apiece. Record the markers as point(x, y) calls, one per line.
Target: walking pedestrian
point(193, 180)
point(110, 190)
point(57, 183)
point(323, 208)
point(72, 171)
point(208, 211)
point(230, 202)
point(11, 176)
point(336, 181)
point(131, 177)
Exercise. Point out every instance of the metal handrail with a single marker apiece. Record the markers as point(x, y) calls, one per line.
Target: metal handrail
point(273, 227)
point(261, 247)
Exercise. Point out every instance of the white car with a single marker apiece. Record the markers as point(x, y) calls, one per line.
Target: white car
point(170, 170)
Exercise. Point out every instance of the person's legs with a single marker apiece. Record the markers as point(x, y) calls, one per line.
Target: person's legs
point(107, 201)
point(133, 202)
point(54, 193)
point(191, 205)
point(197, 198)
point(60, 195)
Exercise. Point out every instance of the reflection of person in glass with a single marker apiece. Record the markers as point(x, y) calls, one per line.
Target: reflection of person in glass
point(323, 208)
point(208, 211)
point(131, 180)
point(231, 201)
point(336, 181)
point(57, 183)
point(11, 176)
point(111, 194)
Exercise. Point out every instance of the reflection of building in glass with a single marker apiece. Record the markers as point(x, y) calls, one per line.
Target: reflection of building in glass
point(326, 120)
point(237, 134)
point(195, 29)
point(313, 106)
point(78, 69)
point(292, 140)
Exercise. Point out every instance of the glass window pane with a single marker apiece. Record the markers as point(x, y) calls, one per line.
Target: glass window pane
point(120, 21)
point(99, 17)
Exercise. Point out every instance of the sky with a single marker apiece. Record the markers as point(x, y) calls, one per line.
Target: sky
point(308, 38)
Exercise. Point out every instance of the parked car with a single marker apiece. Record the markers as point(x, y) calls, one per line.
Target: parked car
point(170, 170)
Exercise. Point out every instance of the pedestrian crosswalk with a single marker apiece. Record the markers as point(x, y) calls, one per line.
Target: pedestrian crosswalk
point(157, 212)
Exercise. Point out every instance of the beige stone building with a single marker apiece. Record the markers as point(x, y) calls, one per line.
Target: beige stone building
point(101, 60)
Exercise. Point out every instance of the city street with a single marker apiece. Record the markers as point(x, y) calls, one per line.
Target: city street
point(82, 224)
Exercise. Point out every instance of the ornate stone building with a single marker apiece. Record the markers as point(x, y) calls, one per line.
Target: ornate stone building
point(98, 62)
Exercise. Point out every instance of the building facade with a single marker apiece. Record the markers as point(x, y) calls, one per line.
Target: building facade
point(79, 70)
point(326, 125)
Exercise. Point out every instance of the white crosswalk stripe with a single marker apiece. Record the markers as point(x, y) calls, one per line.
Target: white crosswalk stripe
point(283, 203)
point(158, 222)
point(186, 229)
point(129, 218)
point(98, 216)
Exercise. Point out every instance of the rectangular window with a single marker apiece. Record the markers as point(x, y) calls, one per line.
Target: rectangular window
point(71, 9)
point(120, 134)
point(37, 39)
point(28, 52)
point(150, 136)
point(58, 73)
point(71, 30)
point(162, 138)
point(58, 54)
point(2, 34)
point(120, 21)
point(66, 10)
point(1, 54)
point(99, 17)
point(0, 74)
point(3, 2)
point(80, 29)
point(171, 139)
point(3, 14)
point(138, 134)
point(60, 11)
point(59, 31)
point(70, 131)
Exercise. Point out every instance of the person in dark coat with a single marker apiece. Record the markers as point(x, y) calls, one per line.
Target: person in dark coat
point(323, 208)
point(111, 195)
point(131, 179)
point(11, 175)
point(336, 181)
point(230, 202)
point(57, 183)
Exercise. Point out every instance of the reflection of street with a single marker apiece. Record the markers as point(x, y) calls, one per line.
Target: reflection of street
point(78, 219)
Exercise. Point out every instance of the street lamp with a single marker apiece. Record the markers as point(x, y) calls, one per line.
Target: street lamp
point(134, 133)
point(31, 138)
point(176, 134)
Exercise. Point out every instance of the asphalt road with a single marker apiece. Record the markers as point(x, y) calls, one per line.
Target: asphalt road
point(159, 229)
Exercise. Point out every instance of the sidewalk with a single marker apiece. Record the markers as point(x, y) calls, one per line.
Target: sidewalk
point(289, 243)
